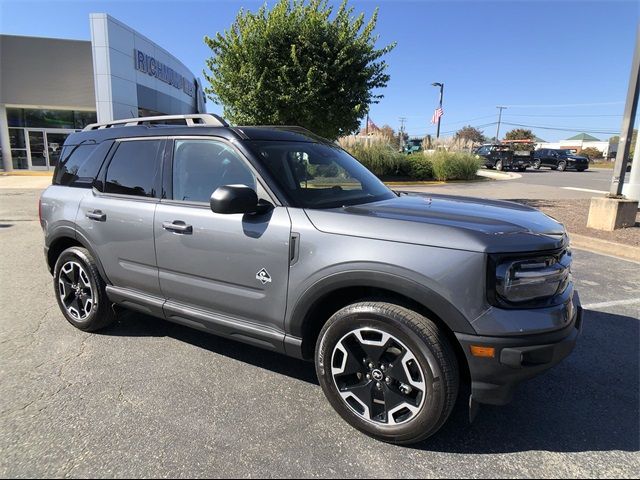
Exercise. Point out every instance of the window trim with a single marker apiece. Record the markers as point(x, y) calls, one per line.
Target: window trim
point(166, 196)
point(101, 178)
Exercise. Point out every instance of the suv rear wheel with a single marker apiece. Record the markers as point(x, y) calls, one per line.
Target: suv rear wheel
point(537, 164)
point(80, 290)
point(388, 371)
point(499, 165)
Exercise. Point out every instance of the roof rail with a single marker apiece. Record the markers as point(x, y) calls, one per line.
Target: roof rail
point(191, 120)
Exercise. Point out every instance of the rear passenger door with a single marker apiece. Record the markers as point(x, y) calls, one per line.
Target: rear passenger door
point(117, 216)
point(216, 267)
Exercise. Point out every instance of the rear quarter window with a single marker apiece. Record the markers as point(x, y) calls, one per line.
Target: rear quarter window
point(79, 164)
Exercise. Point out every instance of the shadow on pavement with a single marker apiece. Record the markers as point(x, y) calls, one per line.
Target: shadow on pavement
point(590, 402)
point(133, 324)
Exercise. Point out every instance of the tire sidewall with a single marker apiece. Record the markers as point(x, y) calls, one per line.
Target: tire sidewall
point(537, 164)
point(430, 414)
point(79, 256)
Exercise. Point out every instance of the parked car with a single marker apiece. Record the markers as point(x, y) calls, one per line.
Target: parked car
point(278, 238)
point(558, 159)
point(413, 145)
point(501, 157)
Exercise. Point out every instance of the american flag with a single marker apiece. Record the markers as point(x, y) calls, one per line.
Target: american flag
point(436, 115)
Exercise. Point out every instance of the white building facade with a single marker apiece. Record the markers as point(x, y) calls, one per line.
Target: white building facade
point(50, 88)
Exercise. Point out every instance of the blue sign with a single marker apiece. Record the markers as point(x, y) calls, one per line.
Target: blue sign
point(154, 68)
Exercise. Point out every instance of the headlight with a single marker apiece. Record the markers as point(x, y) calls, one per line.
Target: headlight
point(523, 281)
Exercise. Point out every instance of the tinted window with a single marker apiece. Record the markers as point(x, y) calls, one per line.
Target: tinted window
point(78, 166)
point(134, 168)
point(201, 166)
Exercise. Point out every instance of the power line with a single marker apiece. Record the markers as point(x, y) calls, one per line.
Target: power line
point(559, 128)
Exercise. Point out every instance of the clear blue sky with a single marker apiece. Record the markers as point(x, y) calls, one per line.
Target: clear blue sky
point(562, 64)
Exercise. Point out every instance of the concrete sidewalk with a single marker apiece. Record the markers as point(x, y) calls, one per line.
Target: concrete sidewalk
point(39, 182)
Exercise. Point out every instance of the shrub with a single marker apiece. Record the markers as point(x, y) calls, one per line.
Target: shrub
point(454, 165)
point(419, 167)
point(591, 152)
point(381, 158)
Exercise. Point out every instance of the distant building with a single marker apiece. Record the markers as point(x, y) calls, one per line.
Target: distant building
point(578, 142)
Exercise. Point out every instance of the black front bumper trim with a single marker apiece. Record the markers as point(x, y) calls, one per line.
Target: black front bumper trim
point(493, 380)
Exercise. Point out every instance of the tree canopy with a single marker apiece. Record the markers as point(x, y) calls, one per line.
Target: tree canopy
point(519, 134)
point(470, 133)
point(299, 63)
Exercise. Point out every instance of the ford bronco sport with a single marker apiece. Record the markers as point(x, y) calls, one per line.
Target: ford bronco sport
point(278, 238)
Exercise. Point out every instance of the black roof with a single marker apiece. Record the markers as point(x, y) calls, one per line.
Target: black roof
point(270, 133)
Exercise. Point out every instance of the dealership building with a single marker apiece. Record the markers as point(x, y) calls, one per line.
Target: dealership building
point(50, 88)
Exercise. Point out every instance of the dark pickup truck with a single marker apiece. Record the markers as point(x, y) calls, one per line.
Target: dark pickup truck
point(502, 157)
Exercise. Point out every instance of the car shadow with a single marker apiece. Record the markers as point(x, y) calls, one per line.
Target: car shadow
point(590, 402)
point(134, 324)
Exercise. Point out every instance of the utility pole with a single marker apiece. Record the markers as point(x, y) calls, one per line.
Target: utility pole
point(499, 120)
point(630, 110)
point(366, 127)
point(402, 122)
point(441, 85)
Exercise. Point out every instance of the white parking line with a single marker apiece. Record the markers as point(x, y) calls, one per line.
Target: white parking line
point(585, 190)
point(613, 303)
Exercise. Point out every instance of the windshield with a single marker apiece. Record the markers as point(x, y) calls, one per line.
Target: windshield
point(315, 175)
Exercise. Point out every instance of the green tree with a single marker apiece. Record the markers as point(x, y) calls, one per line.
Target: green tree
point(298, 64)
point(591, 152)
point(519, 134)
point(471, 134)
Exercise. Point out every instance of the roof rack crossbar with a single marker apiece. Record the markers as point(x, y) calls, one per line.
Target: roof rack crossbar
point(191, 120)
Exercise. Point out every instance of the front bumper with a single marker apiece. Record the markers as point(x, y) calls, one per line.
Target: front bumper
point(494, 379)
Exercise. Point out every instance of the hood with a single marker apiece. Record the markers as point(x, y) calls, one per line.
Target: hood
point(461, 223)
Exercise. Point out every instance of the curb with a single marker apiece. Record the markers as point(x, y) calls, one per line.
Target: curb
point(613, 249)
point(498, 175)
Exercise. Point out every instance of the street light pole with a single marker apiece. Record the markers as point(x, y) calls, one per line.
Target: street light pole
point(630, 110)
point(441, 85)
point(499, 120)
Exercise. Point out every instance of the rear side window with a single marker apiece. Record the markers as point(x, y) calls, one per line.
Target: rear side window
point(77, 166)
point(133, 170)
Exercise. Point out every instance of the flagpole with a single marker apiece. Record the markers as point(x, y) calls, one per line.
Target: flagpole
point(441, 85)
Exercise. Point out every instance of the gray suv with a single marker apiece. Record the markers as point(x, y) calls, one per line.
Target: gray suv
point(278, 238)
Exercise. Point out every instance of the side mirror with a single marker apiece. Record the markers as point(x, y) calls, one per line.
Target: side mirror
point(231, 199)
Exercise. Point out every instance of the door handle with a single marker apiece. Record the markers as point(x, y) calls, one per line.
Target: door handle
point(178, 226)
point(97, 215)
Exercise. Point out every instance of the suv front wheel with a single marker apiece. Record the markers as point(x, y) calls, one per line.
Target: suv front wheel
point(388, 371)
point(80, 290)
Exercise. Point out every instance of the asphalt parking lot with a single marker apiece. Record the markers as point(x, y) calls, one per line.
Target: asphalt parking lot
point(149, 398)
point(533, 184)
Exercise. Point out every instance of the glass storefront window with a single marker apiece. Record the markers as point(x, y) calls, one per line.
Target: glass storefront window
point(20, 161)
point(34, 118)
point(16, 138)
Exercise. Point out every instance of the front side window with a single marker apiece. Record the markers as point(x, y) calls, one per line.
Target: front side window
point(134, 168)
point(201, 166)
point(316, 175)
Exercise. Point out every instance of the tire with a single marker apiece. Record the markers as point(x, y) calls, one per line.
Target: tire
point(80, 291)
point(536, 164)
point(499, 165)
point(346, 367)
point(562, 166)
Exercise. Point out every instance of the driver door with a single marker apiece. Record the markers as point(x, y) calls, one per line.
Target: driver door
point(212, 266)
